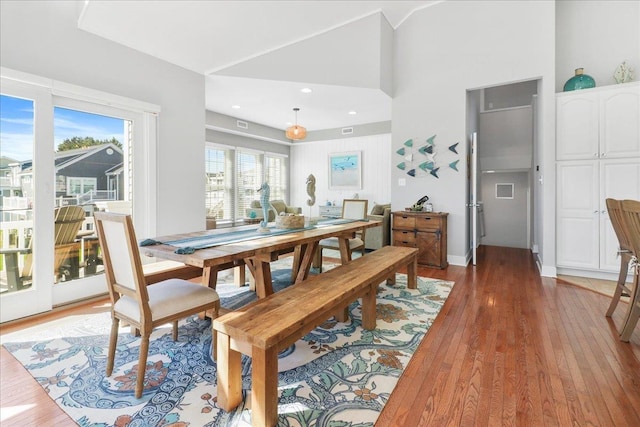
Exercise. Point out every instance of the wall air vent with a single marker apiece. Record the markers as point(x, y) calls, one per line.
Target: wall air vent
point(347, 131)
point(242, 125)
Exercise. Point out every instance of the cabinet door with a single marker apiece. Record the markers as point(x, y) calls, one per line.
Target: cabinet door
point(619, 179)
point(577, 126)
point(428, 244)
point(620, 122)
point(578, 210)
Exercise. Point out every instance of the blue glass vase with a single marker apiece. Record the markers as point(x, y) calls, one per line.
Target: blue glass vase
point(579, 81)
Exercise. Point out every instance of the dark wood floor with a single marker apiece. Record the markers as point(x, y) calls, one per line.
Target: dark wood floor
point(508, 348)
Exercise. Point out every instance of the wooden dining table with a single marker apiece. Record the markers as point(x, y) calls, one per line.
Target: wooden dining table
point(258, 252)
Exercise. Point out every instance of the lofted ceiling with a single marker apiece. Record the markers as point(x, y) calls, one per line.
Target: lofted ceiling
point(209, 37)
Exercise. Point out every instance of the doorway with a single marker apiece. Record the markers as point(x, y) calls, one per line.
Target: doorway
point(500, 192)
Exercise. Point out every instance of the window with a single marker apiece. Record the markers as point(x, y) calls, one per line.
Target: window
point(233, 177)
point(80, 186)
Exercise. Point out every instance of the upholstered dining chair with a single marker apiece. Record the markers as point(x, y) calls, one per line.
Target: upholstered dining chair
point(143, 307)
point(631, 215)
point(614, 208)
point(351, 209)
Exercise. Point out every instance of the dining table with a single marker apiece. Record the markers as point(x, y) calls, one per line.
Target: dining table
point(251, 245)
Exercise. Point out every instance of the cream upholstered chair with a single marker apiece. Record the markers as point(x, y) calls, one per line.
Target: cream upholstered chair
point(614, 208)
point(631, 216)
point(351, 209)
point(143, 307)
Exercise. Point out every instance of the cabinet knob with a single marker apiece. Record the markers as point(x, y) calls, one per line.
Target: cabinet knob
point(603, 155)
point(595, 154)
point(595, 212)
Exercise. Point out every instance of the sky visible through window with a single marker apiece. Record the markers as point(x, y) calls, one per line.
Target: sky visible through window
point(16, 127)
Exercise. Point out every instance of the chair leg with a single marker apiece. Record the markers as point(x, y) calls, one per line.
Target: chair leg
point(633, 314)
point(113, 340)
point(142, 363)
point(214, 333)
point(622, 278)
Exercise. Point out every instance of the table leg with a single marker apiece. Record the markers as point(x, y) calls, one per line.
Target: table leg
point(229, 373)
point(261, 269)
point(239, 275)
point(297, 258)
point(412, 274)
point(210, 277)
point(307, 255)
point(264, 386)
point(345, 252)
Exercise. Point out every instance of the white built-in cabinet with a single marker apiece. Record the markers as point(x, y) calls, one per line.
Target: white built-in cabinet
point(598, 153)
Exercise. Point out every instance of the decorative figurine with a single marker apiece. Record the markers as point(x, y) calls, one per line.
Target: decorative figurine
point(265, 191)
point(311, 190)
point(623, 73)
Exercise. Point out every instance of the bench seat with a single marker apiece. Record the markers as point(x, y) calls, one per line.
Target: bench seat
point(269, 325)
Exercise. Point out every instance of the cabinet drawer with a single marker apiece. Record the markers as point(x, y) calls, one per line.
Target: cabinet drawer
point(407, 237)
point(404, 221)
point(430, 223)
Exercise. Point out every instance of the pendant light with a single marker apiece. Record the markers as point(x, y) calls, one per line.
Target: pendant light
point(295, 131)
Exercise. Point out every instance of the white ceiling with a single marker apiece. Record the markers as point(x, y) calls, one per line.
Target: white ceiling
point(209, 36)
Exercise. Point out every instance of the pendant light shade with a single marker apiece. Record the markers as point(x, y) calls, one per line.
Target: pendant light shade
point(295, 131)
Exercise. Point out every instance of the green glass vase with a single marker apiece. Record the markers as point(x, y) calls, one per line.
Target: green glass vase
point(579, 81)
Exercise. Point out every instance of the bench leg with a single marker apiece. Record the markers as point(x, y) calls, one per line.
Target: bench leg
point(369, 308)
point(229, 373)
point(239, 275)
point(264, 386)
point(412, 274)
point(342, 315)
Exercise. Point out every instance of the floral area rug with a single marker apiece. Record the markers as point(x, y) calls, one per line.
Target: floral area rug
point(338, 375)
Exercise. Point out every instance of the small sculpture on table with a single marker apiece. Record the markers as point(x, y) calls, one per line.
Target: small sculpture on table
point(265, 193)
point(311, 191)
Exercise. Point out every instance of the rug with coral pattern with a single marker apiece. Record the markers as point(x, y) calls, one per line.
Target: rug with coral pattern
point(337, 375)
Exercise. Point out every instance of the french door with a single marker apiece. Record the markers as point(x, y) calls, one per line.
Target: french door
point(43, 172)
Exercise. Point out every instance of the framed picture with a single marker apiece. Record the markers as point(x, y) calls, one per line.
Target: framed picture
point(345, 171)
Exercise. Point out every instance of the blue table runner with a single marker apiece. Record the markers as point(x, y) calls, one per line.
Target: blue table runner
point(190, 244)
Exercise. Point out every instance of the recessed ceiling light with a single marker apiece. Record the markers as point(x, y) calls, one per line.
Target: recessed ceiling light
point(305, 90)
point(235, 107)
point(352, 113)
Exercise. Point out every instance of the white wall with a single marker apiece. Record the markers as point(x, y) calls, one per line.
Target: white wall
point(42, 38)
point(596, 35)
point(313, 158)
point(443, 51)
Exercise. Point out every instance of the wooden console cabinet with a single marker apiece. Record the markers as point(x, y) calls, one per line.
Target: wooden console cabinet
point(426, 231)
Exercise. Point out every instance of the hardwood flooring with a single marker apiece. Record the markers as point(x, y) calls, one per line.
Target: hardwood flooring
point(508, 348)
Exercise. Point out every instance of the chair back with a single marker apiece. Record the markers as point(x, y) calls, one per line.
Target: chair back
point(121, 257)
point(614, 208)
point(68, 221)
point(354, 208)
point(631, 212)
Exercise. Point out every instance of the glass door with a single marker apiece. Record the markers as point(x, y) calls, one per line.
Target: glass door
point(51, 183)
point(92, 145)
point(25, 203)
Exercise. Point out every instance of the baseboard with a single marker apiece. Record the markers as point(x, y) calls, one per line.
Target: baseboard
point(594, 274)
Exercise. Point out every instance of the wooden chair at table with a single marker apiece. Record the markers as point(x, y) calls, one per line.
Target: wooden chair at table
point(631, 215)
point(614, 208)
point(351, 209)
point(140, 305)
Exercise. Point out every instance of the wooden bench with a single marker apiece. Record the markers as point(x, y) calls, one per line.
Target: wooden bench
point(269, 325)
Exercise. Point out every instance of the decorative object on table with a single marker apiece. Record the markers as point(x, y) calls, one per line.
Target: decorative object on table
point(289, 221)
point(311, 190)
point(252, 214)
point(265, 192)
point(419, 205)
point(579, 81)
point(345, 171)
point(296, 132)
point(623, 73)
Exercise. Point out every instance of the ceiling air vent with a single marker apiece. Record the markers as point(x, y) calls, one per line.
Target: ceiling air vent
point(347, 131)
point(242, 125)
